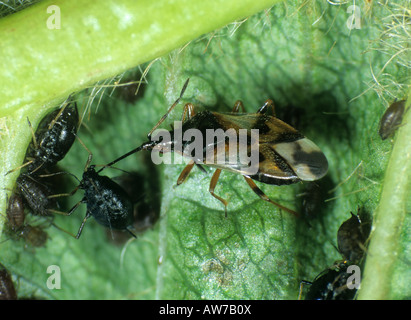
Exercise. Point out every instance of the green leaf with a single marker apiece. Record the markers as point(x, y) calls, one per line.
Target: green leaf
point(304, 57)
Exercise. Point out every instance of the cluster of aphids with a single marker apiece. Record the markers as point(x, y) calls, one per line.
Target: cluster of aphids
point(334, 283)
point(108, 202)
point(50, 142)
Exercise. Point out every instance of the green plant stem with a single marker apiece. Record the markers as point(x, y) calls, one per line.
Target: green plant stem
point(98, 40)
point(383, 249)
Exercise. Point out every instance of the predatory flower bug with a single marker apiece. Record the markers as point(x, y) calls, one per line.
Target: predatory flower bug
point(285, 156)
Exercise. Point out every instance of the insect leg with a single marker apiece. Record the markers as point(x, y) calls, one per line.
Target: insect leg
point(238, 104)
point(64, 194)
point(263, 196)
point(131, 233)
point(149, 145)
point(90, 155)
point(186, 171)
point(47, 175)
point(65, 104)
point(19, 167)
point(201, 168)
point(188, 109)
point(61, 229)
point(302, 283)
point(32, 133)
point(213, 183)
point(76, 206)
point(88, 215)
point(57, 212)
point(267, 104)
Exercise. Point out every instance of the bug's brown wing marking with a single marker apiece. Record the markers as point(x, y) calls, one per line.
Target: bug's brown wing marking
point(272, 168)
point(278, 132)
point(234, 120)
point(270, 128)
point(304, 157)
point(285, 155)
point(269, 168)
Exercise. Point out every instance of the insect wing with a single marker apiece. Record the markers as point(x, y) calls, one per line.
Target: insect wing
point(284, 153)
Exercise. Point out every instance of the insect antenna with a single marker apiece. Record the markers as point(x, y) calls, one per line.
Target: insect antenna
point(142, 147)
point(171, 108)
point(132, 234)
point(147, 145)
point(58, 173)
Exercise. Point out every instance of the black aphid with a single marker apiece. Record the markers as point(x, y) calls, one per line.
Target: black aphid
point(34, 236)
point(331, 284)
point(106, 201)
point(53, 138)
point(7, 289)
point(351, 238)
point(391, 119)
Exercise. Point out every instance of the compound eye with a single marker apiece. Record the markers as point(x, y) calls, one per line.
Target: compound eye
point(305, 158)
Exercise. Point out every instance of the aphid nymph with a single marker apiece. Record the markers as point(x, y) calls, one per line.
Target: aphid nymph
point(351, 238)
point(7, 289)
point(285, 156)
point(391, 119)
point(106, 201)
point(36, 195)
point(34, 236)
point(15, 211)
